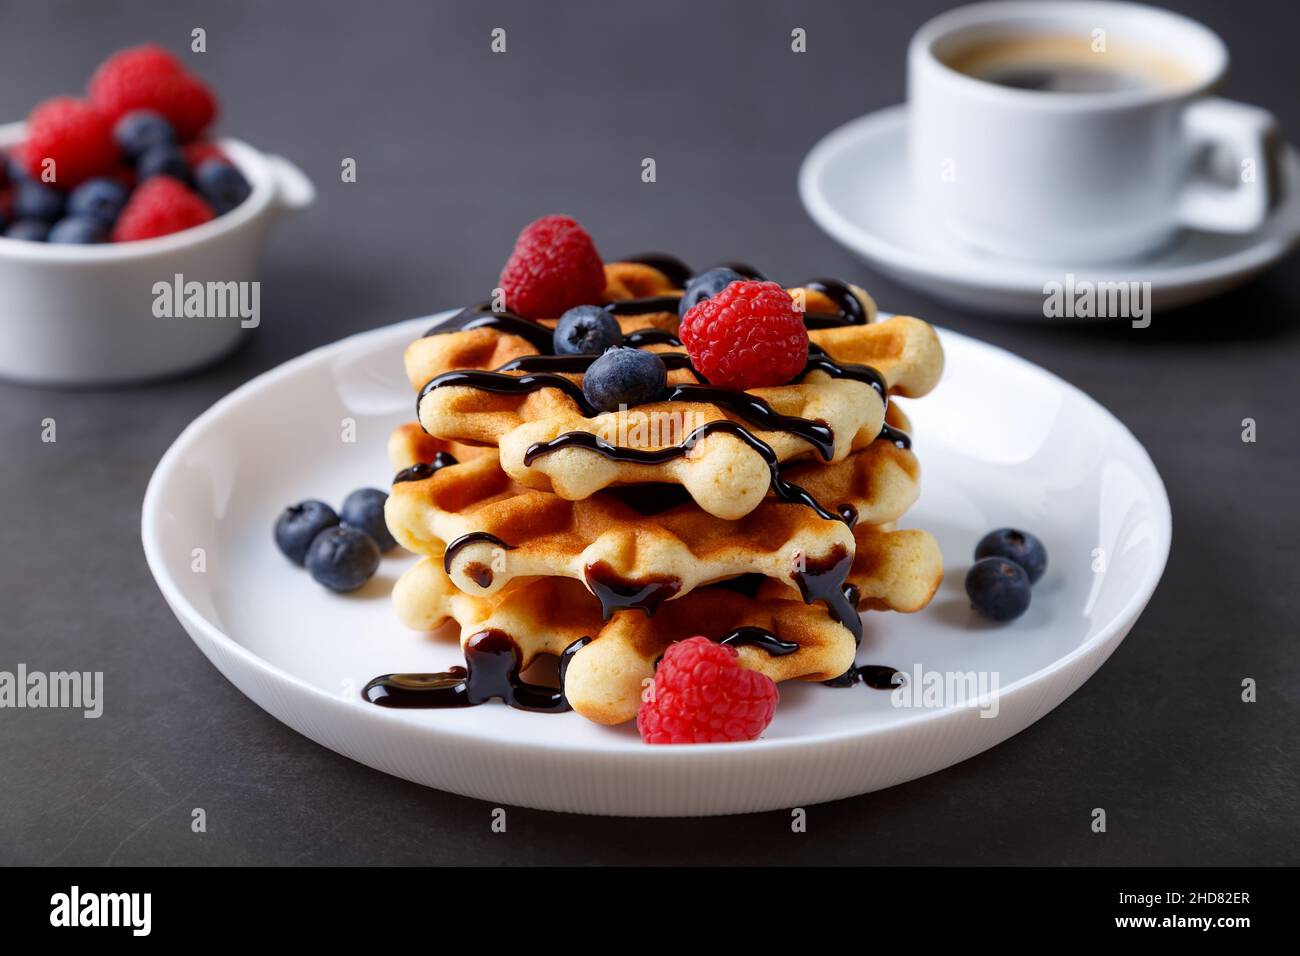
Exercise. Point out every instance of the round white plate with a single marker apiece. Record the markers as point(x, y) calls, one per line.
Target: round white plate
point(855, 185)
point(1001, 442)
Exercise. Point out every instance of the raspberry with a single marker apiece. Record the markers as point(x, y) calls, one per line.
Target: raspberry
point(196, 153)
point(702, 695)
point(160, 206)
point(150, 78)
point(75, 135)
point(747, 336)
point(553, 268)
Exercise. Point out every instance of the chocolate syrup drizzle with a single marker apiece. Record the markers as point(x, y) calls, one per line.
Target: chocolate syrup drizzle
point(875, 676)
point(464, 540)
point(481, 316)
point(491, 671)
point(425, 469)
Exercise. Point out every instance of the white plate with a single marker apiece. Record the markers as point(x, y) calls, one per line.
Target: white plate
point(855, 185)
point(1001, 442)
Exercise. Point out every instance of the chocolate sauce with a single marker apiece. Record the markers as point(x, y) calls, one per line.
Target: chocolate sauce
point(785, 490)
point(481, 316)
point(491, 672)
point(502, 384)
point(425, 469)
point(899, 437)
point(652, 498)
point(850, 308)
point(822, 579)
point(748, 271)
point(759, 637)
point(875, 676)
point(673, 269)
point(644, 306)
point(651, 336)
point(820, 361)
point(464, 540)
point(617, 593)
point(575, 364)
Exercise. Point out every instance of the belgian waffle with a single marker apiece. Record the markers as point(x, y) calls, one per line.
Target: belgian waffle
point(548, 528)
point(493, 384)
point(650, 539)
point(775, 632)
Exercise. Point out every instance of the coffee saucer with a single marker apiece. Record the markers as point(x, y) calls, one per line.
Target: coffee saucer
point(855, 185)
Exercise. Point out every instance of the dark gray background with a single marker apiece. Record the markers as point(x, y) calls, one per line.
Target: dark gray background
point(458, 148)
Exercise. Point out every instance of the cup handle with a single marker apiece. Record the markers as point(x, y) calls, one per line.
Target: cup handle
point(1249, 136)
point(293, 190)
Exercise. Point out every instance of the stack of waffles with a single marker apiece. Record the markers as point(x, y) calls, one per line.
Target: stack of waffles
point(764, 518)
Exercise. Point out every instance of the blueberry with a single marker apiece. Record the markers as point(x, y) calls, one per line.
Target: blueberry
point(998, 588)
point(342, 558)
point(705, 286)
point(221, 184)
point(364, 509)
point(624, 376)
point(33, 230)
point(33, 200)
point(139, 131)
point(586, 329)
point(78, 230)
point(100, 199)
point(164, 160)
point(1018, 546)
point(15, 169)
point(299, 524)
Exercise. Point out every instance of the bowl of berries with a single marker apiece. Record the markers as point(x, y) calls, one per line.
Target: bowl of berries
point(129, 238)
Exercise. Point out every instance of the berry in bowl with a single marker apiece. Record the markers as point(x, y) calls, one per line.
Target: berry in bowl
point(128, 239)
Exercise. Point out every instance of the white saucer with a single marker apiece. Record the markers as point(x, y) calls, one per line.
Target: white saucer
point(854, 184)
point(1032, 452)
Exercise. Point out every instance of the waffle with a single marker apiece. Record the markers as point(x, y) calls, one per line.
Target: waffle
point(897, 570)
point(485, 385)
point(644, 544)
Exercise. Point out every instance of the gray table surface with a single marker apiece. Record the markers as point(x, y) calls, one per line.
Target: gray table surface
point(457, 148)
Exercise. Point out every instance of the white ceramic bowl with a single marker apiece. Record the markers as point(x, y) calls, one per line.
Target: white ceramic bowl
point(83, 315)
point(1001, 442)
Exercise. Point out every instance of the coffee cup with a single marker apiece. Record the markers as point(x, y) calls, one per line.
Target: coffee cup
point(1081, 132)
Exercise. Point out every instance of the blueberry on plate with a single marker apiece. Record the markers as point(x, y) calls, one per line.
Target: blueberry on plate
point(139, 131)
point(221, 184)
point(586, 329)
point(342, 558)
point(705, 286)
point(164, 160)
point(33, 200)
point(299, 524)
point(624, 376)
point(998, 588)
point(100, 199)
point(33, 230)
point(1014, 545)
point(364, 509)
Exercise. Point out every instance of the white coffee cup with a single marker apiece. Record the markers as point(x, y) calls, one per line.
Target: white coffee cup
point(1086, 177)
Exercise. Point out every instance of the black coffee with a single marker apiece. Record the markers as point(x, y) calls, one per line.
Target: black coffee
point(1066, 64)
